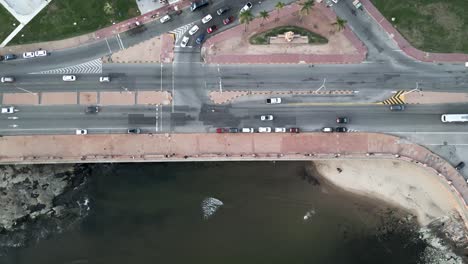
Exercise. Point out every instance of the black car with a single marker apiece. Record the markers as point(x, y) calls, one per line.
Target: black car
point(134, 131)
point(399, 107)
point(460, 166)
point(342, 120)
point(94, 109)
point(341, 129)
point(233, 130)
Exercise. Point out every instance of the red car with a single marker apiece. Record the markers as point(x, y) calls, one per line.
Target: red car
point(293, 130)
point(211, 29)
point(221, 130)
point(228, 20)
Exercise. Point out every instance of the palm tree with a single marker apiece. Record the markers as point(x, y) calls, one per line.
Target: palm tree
point(245, 17)
point(264, 15)
point(306, 7)
point(278, 7)
point(340, 23)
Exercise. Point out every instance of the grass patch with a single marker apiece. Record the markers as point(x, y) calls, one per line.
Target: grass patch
point(56, 21)
point(6, 22)
point(263, 38)
point(432, 26)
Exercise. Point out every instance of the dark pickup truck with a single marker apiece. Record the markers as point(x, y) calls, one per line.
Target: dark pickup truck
point(197, 4)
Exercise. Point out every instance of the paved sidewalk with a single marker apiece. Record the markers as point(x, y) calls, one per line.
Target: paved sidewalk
point(405, 46)
point(288, 12)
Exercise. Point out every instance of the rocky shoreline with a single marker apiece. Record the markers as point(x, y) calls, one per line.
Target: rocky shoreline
point(39, 201)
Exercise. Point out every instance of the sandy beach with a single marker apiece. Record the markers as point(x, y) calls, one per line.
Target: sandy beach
point(401, 183)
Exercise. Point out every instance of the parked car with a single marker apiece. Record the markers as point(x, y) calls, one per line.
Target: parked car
point(184, 41)
point(264, 129)
point(341, 129)
point(228, 20)
point(28, 55)
point(247, 130)
point(198, 4)
point(164, 19)
point(460, 166)
point(206, 19)
point(266, 117)
point(193, 30)
point(293, 130)
point(81, 131)
point(104, 79)
point(233, 130)
point(134, 131)
point(2, 58)
point(222, 10)
point(247, 7)
point(327, 129)
point(7, 79)
point(40, 53)
point(8, 110)
point(93, 109)
point(342, 120)
point(221, 130)
point(398, 107)
point(200, 39)
point(280, 129)
point(69, 78)
point(276, 100)
point(211, 29)
point(9, 57)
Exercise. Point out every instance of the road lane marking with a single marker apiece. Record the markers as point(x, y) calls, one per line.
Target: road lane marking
point(119, 40)
point(108, 46)
point(330, 104)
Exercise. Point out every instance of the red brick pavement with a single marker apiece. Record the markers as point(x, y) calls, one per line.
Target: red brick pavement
point(237, 31)
point(194, 147)
point(405, 46)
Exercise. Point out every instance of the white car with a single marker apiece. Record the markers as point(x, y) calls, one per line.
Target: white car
point(104, 79)
point(184, 41)
point(164, 19)
point(247, 7)
point(206, 19)
point(280, 130)
point(81, 131)
point(266, 117)
point(247, 130)
point(264, 129)
point(335, 1)
point(69, 78)
point(28, 55)
point(40, 53)
point(8, 110)
point(7, 79)
point(193, 30)
point(276, 100)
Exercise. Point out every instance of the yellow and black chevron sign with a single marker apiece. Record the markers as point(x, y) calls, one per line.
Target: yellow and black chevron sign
point(398, 98)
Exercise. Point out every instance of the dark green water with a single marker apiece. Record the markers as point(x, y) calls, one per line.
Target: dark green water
point(151, 213)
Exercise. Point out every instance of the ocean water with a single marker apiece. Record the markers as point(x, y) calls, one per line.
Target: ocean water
point(230, 212)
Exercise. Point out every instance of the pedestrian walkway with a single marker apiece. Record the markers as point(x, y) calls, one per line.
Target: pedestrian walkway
point(405, 46)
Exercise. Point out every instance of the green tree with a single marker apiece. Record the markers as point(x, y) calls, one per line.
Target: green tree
point(245, 18)
point(306, 6)
point(278, 7)
point(264, 15)
point(340, 23)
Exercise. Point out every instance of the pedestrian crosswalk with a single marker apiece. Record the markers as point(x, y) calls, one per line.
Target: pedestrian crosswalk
point(94, 66)
point(179, 32)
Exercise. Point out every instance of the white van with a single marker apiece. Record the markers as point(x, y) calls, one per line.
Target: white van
point(449, 118)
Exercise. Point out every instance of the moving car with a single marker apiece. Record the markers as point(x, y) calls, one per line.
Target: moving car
point(7, 79)
point(211, 29)
point(247, 7)
point(193, 30)
point(266, 117)
point(8, 110)
point(206, 19)
point(342, 120)
point(276, 100)
point(164, 19)
point(198, 4)
point(341, 129)
point(264, 129)
point(280, 129)
point(222, 10)
point(81, 131)
point(28, 55)
point(200, 39)
point(134, 131)
point(293, 130)
point(327, 129)
point(399, 107)
point(93, 109)
point(247, 130)
point(228, 20)
point(460, 166)
point(40, 53)
point(184, 41)
point(104, 79)
point(69, 78)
